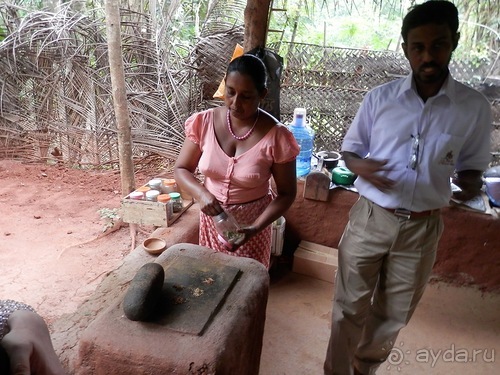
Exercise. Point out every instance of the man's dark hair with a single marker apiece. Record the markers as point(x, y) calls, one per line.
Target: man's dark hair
point(434, 11)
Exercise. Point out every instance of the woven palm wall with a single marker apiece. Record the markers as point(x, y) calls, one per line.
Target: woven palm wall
point(56, 102)
point(331, 82)
point(56, 91)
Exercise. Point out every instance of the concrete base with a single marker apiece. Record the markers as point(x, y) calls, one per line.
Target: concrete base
point(230, 344)
point(467, 252)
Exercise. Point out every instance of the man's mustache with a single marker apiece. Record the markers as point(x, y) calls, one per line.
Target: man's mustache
point(429, 66)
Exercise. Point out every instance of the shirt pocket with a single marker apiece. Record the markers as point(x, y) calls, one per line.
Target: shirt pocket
point(447, 151)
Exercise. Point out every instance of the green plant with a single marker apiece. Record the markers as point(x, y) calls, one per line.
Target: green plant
point(110, 216)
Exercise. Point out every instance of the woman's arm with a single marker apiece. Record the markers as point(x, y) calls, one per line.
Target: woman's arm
point(184, 169)
point(286, 185)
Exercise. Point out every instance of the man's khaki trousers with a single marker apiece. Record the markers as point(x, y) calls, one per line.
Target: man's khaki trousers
point(384, 264)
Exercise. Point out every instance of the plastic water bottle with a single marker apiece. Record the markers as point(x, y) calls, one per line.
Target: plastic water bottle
point(305, 138)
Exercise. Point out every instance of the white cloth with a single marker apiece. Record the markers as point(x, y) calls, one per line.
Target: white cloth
point(454, 128)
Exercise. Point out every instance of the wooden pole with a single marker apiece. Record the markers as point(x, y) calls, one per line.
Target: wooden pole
point(256, 19)
point(120, 103)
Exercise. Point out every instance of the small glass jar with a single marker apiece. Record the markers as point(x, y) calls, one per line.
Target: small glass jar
point(227, 228)
point(169, 185)
point(143, 190)
point(176, 201)
point(165, 198)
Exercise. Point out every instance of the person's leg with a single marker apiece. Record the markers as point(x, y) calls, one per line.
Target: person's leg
point(29, 345)
point(403, 279)
point(362, 249)
point(4, 361)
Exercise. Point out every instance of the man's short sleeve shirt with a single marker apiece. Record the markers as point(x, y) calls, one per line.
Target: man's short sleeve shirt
point(453, 130)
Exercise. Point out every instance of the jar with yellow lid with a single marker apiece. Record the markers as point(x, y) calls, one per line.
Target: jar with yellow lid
point(143, 190)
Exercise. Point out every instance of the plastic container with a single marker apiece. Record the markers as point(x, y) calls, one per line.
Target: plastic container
point(343, 176)
point(137, 195)
point(227, 229)
point(143, 190)
point(152, 195)
point(176, 201)
point(277, 237)
point(305, 138)
point(155, 183)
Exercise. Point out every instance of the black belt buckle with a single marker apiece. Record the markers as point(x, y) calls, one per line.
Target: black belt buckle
point(401, 212)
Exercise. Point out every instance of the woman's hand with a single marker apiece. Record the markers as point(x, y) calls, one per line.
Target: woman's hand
point(249, 232)
point(209, 205)
point(185, 166)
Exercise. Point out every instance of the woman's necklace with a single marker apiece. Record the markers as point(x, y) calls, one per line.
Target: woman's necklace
point(230, 126)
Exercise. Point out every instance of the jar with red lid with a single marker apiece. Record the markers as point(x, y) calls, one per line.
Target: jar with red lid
point(165, 198)
point(169, 186)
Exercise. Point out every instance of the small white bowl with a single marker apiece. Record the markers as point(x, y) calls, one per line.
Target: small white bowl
point(154, 245)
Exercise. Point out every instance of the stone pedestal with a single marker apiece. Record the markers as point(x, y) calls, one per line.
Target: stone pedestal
point(229, 343)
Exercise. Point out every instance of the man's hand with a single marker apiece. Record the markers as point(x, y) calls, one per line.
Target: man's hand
point(470, 181)
point(370, 169)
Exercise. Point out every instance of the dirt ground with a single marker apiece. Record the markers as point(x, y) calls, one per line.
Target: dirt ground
point(57, 246)
point(56, 242)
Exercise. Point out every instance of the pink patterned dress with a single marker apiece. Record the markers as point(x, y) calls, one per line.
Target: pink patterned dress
point(240, 183)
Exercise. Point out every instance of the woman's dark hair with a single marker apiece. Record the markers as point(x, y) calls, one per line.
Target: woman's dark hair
point(434, 11)
point(251, 66)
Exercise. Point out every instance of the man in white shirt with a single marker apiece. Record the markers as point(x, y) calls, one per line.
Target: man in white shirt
point(406, 141)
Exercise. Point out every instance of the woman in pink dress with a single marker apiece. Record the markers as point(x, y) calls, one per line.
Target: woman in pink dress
point(238, 148)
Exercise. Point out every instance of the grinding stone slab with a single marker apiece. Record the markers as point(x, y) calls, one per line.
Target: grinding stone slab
point(193, 292)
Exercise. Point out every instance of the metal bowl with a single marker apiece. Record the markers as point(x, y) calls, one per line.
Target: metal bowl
point(330, 158)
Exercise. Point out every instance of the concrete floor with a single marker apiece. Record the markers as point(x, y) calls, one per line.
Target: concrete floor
point(455, 330)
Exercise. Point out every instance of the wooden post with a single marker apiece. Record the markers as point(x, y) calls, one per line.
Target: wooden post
point(119, 96)
point(256, 20)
